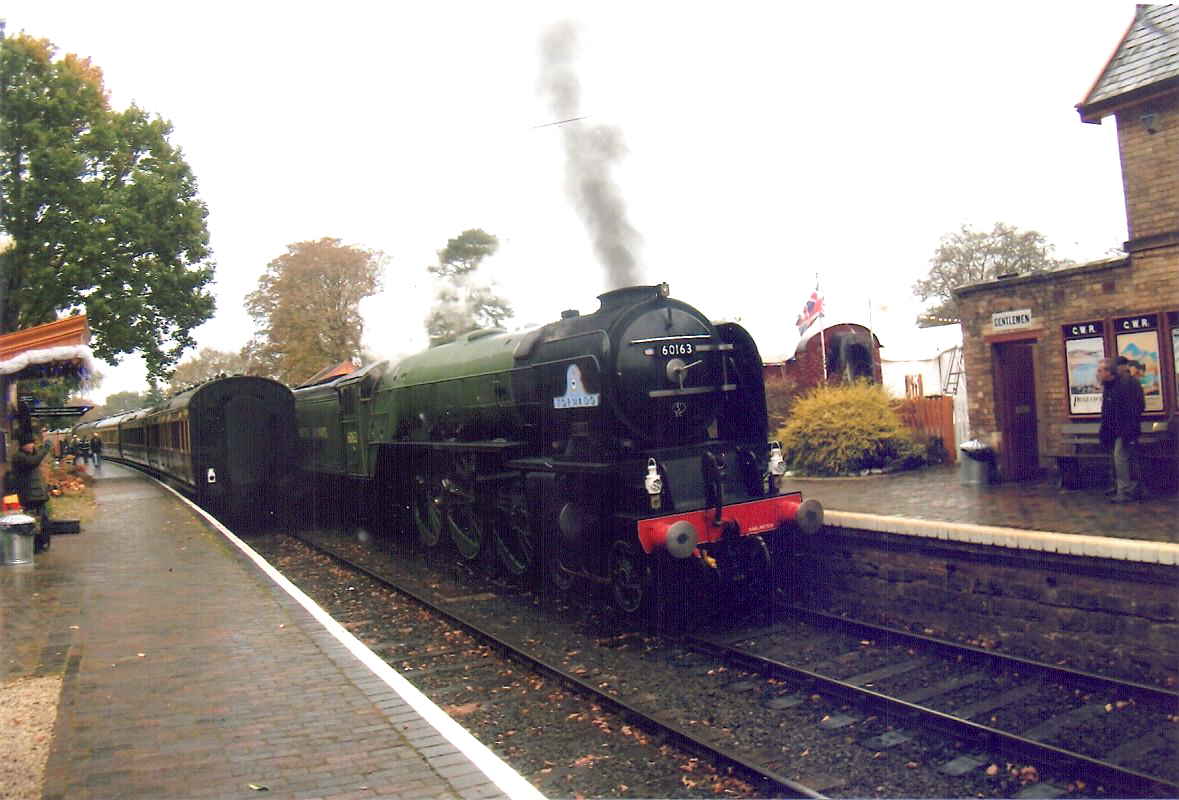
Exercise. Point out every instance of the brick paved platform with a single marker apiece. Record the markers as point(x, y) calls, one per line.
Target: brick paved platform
point(1030, 515)
point(188, 673)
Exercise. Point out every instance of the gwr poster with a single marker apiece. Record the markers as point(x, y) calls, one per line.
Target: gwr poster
point(1173, 322)
point(1138, 340)
point(1081, 359)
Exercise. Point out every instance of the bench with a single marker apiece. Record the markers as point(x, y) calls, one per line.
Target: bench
point(1082, 460)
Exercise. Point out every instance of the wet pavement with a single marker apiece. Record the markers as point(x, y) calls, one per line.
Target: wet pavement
point(936, 493)
point(188, 672)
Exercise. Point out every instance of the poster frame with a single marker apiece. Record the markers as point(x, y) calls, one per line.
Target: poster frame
point(1142, 331)
point(1089, 331)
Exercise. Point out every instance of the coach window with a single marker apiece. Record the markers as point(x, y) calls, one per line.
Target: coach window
point(348, 401)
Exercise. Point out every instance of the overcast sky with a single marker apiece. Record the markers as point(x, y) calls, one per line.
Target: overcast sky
point(765, 142)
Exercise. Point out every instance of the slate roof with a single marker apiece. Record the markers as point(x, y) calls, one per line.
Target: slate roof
point(1147, 56)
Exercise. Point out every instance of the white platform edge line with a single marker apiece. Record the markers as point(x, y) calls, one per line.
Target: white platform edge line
point(496, 769)
point(1053, 541)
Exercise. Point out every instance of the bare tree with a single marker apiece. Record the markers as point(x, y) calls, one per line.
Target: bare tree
point(968, 256)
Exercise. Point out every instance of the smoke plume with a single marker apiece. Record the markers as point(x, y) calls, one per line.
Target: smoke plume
point(591, 151)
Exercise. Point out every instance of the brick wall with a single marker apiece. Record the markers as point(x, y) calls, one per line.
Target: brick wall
point(1150, 167)
point(1090, 612)
point(1149, 283)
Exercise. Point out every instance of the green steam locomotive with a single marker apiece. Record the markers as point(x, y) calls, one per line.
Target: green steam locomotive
point(627, 447)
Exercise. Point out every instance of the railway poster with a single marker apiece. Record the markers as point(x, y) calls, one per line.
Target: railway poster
point(1138, 340)
point(1173, 322)
point(1084, 347)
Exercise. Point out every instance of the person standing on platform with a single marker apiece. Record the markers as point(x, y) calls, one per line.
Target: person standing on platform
point(30, 484)
point(1122, 404)
point(83, 450)
point(96, 451)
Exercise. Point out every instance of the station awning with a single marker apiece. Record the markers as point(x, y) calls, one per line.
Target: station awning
point(55, 349)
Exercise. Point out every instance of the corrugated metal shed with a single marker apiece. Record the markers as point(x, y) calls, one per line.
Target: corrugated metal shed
point(1147, 56)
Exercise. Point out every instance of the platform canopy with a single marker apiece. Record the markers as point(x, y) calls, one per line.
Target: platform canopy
point(55, 349)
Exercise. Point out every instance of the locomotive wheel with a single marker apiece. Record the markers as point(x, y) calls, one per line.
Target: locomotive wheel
point(630, 581)
point(427, 514)
point(515, 546)
point(466, 529)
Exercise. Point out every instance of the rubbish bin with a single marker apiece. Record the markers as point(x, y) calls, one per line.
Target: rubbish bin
point(17, 533)
point(977, 464)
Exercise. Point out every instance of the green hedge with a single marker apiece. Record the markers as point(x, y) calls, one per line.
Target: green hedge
point(846, 429)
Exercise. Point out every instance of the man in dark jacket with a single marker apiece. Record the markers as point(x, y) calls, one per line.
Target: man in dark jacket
point(30, 484)
point(96, 451)
point(1122, 404)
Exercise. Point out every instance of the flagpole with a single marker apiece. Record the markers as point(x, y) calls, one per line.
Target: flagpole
point(822, 333)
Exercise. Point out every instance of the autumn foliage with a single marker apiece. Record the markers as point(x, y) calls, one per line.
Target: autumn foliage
point(307, 308)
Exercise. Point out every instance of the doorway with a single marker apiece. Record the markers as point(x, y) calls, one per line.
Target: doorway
point(1015, 408)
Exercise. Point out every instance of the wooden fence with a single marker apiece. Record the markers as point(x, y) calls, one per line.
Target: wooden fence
point(929, 417)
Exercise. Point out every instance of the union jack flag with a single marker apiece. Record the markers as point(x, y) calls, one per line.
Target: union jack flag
point(810, 312)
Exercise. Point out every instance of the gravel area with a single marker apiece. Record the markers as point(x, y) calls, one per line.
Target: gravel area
point(28, 709)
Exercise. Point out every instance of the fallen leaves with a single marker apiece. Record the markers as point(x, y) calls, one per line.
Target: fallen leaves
point(462, 710)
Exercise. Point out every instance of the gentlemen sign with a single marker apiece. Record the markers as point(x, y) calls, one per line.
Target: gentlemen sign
point(1008, 320)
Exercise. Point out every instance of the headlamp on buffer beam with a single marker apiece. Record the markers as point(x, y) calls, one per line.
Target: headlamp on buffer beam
point(653, 483)
point(777, 467)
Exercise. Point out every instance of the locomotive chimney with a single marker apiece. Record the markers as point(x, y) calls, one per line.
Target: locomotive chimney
point(630, 295)
point(570, 313)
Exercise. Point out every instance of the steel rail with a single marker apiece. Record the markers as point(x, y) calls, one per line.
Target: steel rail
point(719, 756)
point(1090, 680)
point(1097, 771)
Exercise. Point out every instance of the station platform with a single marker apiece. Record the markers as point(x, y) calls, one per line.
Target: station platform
point(192, 669)
point(1033, 515)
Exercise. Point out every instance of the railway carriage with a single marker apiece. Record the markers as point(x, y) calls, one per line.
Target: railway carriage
point(613, 447)
point(228, 443)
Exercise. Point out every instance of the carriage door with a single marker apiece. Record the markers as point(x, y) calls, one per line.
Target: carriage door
point(249, 447)
point(350, 429)
point(1015, 408)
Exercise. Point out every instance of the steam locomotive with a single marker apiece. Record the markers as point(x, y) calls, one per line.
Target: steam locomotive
point(227, 443)
point(627, 448)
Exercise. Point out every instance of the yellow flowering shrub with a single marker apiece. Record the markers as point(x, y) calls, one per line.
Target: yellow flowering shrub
point(845, 429)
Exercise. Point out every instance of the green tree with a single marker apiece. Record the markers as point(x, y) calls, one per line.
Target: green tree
point(206, 365)
point(119, 402)
point(102, 211)
point(968, 256)
point(461, 304)
point(307, 308)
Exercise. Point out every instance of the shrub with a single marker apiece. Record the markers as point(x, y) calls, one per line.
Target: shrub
point(847, 428)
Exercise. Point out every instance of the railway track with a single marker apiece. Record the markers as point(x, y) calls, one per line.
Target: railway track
point(767, 704)
point(1109, 732)
point(436, 674)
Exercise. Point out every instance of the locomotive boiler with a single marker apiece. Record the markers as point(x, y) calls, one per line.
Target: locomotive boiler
point(613, 447)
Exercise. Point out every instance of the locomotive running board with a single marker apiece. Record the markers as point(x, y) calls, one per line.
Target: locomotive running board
point(550, 465)
point(489, 446)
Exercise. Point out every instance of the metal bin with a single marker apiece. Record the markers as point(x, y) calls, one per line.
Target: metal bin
point(17, 534)
point(976, 465)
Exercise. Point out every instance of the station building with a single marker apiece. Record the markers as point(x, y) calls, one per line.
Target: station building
point(1032, 342)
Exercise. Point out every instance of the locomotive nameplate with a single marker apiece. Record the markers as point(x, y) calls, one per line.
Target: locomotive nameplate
point(575, 395)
